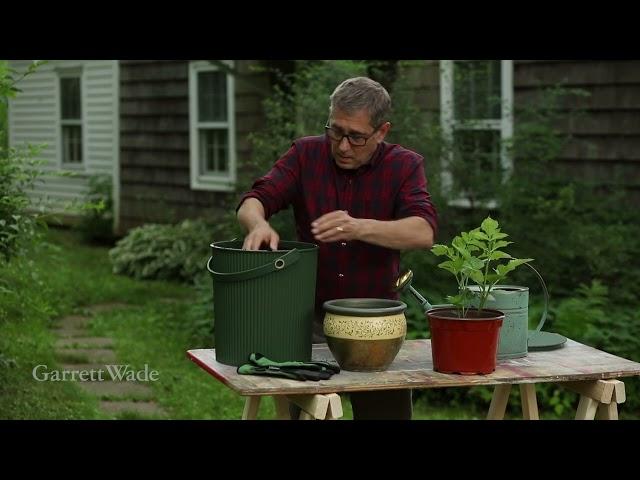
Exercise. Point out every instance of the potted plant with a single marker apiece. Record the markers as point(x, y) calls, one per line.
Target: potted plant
point(464, 335)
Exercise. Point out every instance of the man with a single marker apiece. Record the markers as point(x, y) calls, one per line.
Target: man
point(360, 199)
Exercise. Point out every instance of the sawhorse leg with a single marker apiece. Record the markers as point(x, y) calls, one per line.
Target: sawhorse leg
point(501, 397)
point(313, 407)
point(599, 399)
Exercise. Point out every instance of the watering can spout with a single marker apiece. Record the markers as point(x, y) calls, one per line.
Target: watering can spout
point(403, 283)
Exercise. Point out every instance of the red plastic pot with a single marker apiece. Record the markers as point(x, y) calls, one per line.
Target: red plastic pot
point(467, 346)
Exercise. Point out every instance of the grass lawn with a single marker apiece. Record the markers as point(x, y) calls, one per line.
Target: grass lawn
point(152, 331)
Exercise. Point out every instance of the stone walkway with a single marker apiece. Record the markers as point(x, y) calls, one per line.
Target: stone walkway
point(77, 351)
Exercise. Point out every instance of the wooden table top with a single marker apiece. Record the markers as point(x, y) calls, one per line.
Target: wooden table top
point(413, 368)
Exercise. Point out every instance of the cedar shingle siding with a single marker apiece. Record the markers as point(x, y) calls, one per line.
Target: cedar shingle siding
point(154, 140)
point(605, 143)
point(606, 136)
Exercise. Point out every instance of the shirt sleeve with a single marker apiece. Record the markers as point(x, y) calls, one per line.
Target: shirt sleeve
point(277, 189)
point(413, 198)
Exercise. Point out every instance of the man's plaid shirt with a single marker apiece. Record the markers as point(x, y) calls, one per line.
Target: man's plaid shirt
point(391, 186)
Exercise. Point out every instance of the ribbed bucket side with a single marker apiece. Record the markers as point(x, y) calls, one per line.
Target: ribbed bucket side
point(271, 314)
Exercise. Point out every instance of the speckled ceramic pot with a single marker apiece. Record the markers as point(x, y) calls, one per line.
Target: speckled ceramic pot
point(364, 334)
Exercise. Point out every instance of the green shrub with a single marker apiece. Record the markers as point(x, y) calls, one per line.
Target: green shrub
point(96, 224)
point(19, 171)
point(172, 252)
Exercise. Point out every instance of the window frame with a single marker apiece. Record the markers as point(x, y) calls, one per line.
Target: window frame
point(64, 73)
point(450, 125)
point(221, 182)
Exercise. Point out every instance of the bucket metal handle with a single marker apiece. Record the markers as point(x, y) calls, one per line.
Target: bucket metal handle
point(280, 263)
point(546, 298)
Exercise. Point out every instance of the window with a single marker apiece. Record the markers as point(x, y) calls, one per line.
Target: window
point(71, 119)
point(212, 126)
point(477, 120)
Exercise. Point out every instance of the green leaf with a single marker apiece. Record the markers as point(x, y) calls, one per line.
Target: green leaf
point(477, 277)
point(497, 255)
point(439, 249)
point(502, 243)
point(478, 243)
point(449, 266)
point(489, 225)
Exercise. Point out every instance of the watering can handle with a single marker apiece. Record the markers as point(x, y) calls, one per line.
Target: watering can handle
point(279, 263)
point(546, 298)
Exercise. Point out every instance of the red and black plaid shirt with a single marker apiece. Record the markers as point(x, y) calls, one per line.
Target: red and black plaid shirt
point(391, 186)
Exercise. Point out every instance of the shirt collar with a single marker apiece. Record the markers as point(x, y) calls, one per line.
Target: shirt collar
point(375, 160)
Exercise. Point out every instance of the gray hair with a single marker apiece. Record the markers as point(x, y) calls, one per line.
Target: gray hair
point(362, 93)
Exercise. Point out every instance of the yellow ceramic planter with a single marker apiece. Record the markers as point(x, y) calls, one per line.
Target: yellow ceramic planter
point(364, 334)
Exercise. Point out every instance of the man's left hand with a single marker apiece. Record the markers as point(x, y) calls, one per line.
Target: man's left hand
point(335, 226)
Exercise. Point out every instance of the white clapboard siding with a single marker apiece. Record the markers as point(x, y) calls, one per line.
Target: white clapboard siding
point(34, 118)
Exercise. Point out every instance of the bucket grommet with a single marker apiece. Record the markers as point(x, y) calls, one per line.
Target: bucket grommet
point(279, 263)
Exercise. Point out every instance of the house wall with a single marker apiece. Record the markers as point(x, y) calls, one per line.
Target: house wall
point(605, 143)
point(34, 118)
point(154, 140)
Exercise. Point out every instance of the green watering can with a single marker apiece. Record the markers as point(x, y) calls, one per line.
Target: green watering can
point(515, 337)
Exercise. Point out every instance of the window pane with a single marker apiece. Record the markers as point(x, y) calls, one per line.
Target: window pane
point(212, 97)
point(70, 98)
point(477, 89)
point(476, 168)
point(214, 151)
point(71, 144)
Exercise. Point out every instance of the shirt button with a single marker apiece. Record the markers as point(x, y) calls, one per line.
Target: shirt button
point(340, 275)
point(344, 244)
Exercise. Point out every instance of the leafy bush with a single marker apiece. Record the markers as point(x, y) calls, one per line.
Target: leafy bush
point(173, 252)
point(96, 224)
point(19, 171)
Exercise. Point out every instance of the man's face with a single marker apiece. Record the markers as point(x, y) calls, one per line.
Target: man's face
point(346, 155)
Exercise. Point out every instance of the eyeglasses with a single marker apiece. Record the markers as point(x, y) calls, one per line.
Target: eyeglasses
point(354, 140)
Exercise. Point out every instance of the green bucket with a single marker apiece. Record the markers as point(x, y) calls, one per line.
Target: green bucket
point(263, 301)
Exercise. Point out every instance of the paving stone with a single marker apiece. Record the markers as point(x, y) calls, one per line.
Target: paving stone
point(141, 408)
point(84, 342)
point(70, 332)
point(72, 321)
point(105, 307)
point(86, 355)
point(110, 389)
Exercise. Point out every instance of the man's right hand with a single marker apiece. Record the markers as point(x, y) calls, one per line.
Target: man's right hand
point(261, 234)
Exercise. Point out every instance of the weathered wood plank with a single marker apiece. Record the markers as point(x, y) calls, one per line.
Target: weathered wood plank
point(600, 390)
point(619, 394)
point(163, 124)
point(499, 402)
point(335, 407)
point(155, 159)
point(154, 69)
point(587, 408)
point(577, 73)
point(158, 106)
point(282, 407)
point(601, 97)
point(610, 147)
point(251, 406)
point(155, 89)
point(161, 140)
point(607, 411)
point(529, 401)
point(314, 405)
point(602, 122)
point(413, 368)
